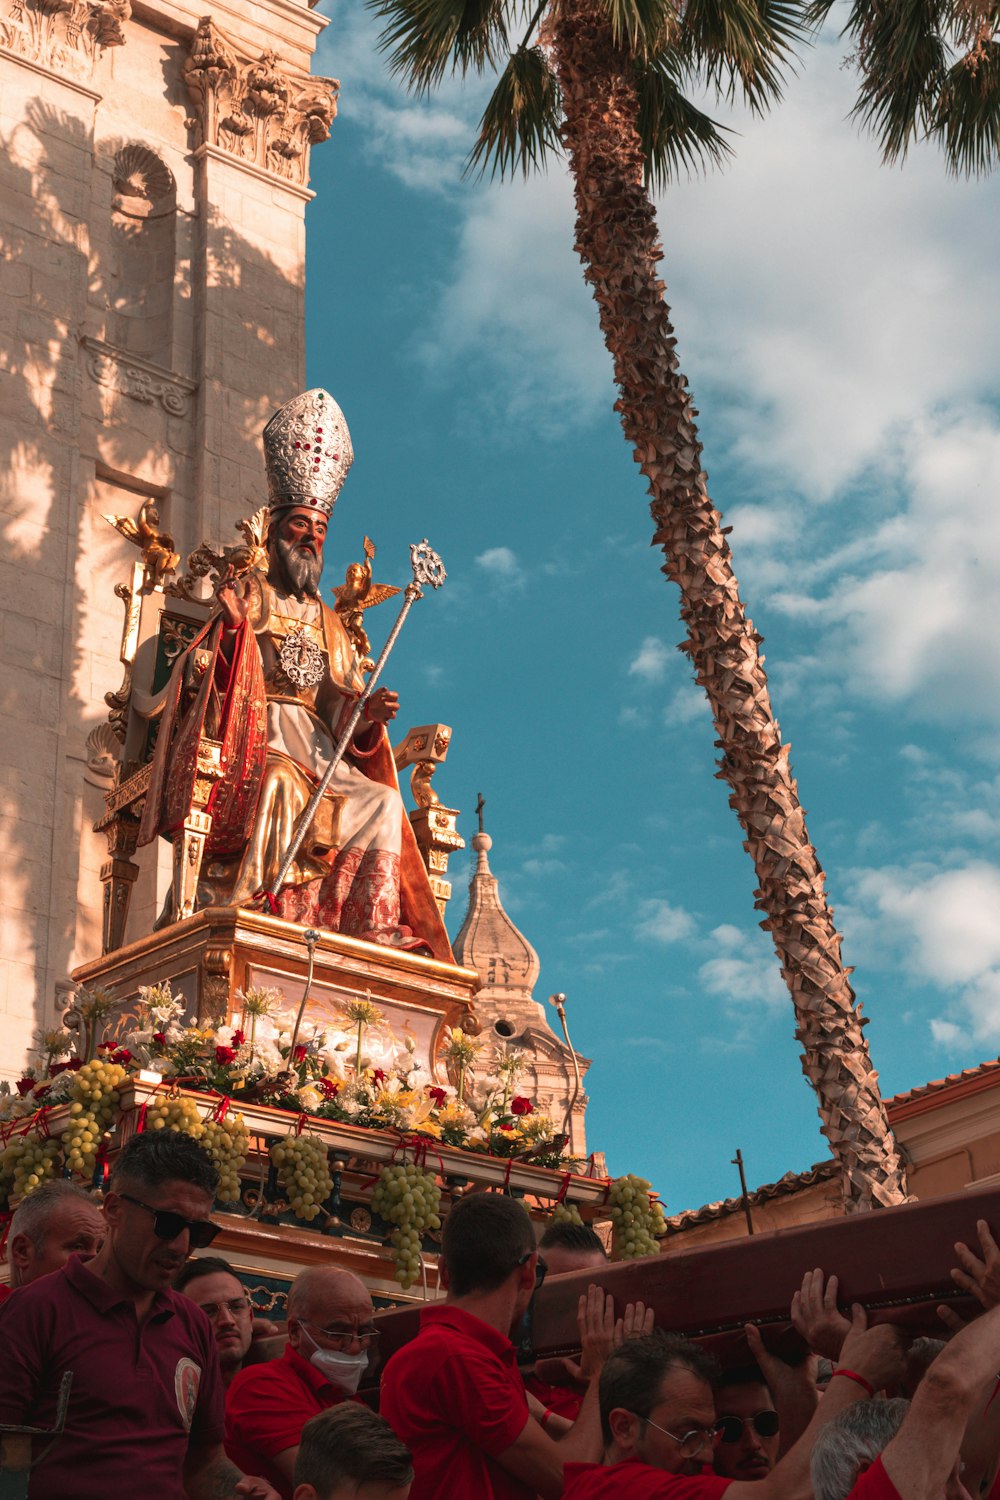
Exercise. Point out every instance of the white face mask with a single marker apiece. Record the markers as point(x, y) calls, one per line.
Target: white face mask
point(344, 1370)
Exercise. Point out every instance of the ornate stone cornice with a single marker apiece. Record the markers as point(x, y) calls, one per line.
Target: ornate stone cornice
point(258, 112)
point(138, 378)
point(63, 36)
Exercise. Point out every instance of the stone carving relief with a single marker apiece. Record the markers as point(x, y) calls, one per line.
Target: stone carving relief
point(64, 35)
point(260, 112)
point(137, 378)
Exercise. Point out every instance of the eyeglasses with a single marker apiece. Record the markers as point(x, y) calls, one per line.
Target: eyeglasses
point(689, 1444)
point(541, 1266)
point(235, 1308)
point(341, 1336)
point(170, 1226)
point(730, 1429)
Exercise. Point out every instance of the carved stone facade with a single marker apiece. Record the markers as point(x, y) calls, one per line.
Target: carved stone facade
point(153, 185)
point(506, 1008)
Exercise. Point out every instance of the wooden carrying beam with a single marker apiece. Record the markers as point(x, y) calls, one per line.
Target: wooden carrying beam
point(895, 1261)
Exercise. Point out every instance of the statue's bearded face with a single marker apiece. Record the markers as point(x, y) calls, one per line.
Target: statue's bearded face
point(296, 550)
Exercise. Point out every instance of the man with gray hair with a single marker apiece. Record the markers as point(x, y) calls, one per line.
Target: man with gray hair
point(330, 1337)
point(54, 1222)
point(851, 1443)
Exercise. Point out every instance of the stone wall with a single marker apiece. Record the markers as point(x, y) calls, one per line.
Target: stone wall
point(153, 184)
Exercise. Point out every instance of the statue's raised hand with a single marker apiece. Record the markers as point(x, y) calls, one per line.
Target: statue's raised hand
point(382, 707)
point(234, 607)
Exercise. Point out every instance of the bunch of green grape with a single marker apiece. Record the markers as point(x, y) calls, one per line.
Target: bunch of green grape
point(229, 1144)
point(94, 1099)
point(409, 1197)
point(27, 1162)
point(637, 1222)
point(303, 1173)
point(566, 1213)
point(177, 1113)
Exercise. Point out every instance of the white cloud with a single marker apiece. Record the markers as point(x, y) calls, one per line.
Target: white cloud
point(943, 928)
point(743, 971)
point(650, 662)
point(502, 566)
point(659, 922)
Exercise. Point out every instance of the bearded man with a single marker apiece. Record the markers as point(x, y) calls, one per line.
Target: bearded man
point(274, 678)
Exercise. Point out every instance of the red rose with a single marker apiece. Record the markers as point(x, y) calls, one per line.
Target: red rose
point(378, 1077)
point(439, 1096)
point(238, 1039)
point(224, 1056)
point(521, 1106)
point(329, 1087)
point(506, 1126)
point(160, 1038)
point(300, 1053)
point(105, 1046)
point(25, 1085)
point(122, 1056)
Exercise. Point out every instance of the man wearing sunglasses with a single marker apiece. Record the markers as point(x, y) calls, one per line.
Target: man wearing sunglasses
point(145, 1412)
point(331, 1339)
point(747, 1437)
point(660, 1427)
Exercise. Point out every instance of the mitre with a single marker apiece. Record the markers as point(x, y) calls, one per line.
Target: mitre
point(307, 453)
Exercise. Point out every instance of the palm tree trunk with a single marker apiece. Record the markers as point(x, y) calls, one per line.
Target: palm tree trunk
point(618, 241)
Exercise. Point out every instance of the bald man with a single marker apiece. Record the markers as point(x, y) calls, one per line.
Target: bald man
point(330, 1335)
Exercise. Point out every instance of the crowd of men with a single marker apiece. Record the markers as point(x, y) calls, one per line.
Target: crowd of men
point(180, 1392)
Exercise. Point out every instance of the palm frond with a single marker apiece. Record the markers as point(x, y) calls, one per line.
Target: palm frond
point(520, 124)
point(903, 58)
point(967, 119)
point(643, 27)
point(424, 37)
point(676, 136)
point(744, 46)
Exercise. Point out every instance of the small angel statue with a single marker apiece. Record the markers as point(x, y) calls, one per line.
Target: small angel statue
point(356, 594)
point(156, 546)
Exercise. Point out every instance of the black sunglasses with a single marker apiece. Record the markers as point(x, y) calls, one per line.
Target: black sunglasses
point(170, 1226)
point(540, 1268)
point(730, 1429)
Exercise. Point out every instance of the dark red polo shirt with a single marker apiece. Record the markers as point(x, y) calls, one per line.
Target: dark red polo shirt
point(455, 1396)
point(267, 1407)
point(140, 1394)
point(5, 1292)
point(633, 1480)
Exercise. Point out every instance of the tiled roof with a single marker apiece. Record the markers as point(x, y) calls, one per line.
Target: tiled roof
point(936, 1084)
point(792, 1182)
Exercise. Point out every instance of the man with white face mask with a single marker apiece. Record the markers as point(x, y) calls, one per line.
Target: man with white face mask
point(330, 1339)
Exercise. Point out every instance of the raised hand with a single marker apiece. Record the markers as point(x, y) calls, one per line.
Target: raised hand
point(877, 1354)
point(816, 1316)
point(595, 1319)
point(980, 1277)
point(234, 608)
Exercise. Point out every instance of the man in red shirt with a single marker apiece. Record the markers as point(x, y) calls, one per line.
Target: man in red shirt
point(145, 1407)
point(659, 1424)
point(54, 1222)
point(454, 1394)
point(330, 1334)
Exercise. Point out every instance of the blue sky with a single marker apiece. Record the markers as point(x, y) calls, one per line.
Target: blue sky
point(839, 324)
